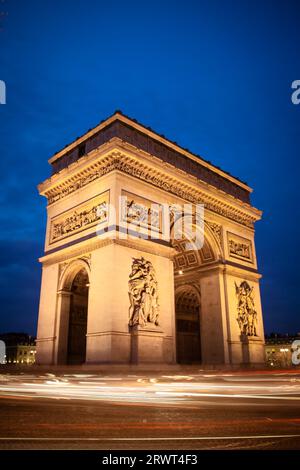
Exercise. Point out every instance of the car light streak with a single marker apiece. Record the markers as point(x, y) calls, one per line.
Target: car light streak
point(149, 389)
point(171, 438)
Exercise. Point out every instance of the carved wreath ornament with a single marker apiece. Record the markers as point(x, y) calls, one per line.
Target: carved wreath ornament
point(143, 295)
point(247, 315)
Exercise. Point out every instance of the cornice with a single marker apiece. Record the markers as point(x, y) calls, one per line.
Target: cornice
point(183, 177)
point(122, 157)
point(241, 271)
point(118, 116)
point(220, 267)
point(86, 247)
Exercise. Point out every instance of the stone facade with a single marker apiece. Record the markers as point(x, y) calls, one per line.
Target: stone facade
point(146, 300)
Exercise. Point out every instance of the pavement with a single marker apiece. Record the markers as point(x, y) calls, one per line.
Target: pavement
point(150, 410)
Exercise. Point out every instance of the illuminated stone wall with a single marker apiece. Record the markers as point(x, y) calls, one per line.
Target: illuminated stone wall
point(83, 232)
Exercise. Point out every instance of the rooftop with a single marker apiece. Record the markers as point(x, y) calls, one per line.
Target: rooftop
point(131, 131)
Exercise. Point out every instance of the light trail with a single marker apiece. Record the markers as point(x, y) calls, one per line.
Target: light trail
point(190, 438)
point(164, 389)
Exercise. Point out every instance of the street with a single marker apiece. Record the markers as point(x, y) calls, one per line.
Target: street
point(199, 410)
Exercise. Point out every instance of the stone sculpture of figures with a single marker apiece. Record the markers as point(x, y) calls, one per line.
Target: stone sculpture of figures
point(143, 295)
point(81, 219)
point(247, 315)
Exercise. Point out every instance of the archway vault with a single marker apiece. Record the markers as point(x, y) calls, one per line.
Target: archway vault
point(73, 312)
point(190, 263)
point(188, 260)
point(69, 272)
point(188, 324)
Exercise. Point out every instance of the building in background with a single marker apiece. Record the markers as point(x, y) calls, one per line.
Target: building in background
point(279, 350)
point(20, 348)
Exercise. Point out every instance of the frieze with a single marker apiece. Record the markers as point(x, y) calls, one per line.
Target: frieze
point(81, 182)
point(158, 180)
point(179, 190)
point(84, 216)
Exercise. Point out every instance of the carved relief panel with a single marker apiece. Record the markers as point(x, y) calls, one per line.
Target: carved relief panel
point(141, 212)
point(81, 217)
point(239, 247)
point(143, 294)
point(247, 315)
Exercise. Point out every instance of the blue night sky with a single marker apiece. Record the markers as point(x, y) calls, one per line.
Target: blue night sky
point(213, 75)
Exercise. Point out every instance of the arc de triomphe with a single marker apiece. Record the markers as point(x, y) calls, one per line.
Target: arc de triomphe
point(110, 292)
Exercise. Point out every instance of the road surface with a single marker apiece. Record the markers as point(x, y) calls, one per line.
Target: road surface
point(200, 410)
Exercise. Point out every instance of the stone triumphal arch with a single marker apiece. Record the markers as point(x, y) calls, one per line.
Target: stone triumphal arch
point(117, 285)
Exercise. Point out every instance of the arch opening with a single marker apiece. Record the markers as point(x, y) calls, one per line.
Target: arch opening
point(78, 312)
point(188, 339)
point(190, 264)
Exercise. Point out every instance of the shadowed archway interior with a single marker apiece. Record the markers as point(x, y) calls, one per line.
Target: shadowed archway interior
point(78, 319)
point(188, 344)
